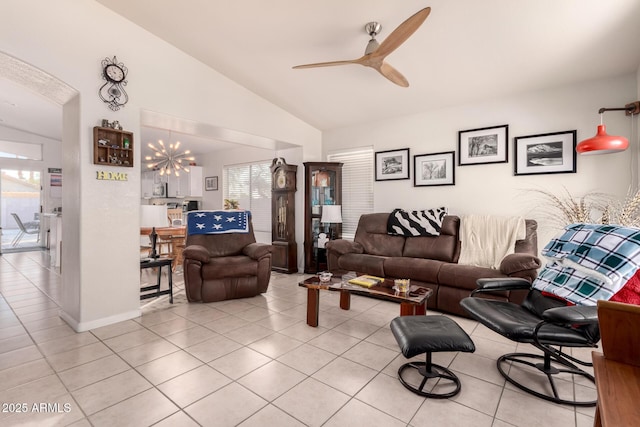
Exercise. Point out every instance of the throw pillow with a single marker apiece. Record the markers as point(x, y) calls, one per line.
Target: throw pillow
point(416, 223)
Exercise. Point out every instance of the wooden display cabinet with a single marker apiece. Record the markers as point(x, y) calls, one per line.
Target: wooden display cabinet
point(112, 147)
point(323, 186)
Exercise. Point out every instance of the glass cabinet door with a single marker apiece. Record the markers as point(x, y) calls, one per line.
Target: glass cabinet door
point(323, 185)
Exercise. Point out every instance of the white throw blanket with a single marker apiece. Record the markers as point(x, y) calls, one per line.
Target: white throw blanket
point(486, 240)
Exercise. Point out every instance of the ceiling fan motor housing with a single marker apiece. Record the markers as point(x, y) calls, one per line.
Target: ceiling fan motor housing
point(373, 29)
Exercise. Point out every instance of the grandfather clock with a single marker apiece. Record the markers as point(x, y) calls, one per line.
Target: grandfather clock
point(284, 257)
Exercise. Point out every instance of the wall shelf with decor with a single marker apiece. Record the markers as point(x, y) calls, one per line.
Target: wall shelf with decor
point(112, 147)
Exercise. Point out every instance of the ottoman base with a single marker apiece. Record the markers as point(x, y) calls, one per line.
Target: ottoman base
point(429, 370)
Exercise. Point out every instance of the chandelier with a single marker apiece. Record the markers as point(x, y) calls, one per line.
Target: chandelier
point(168, 160)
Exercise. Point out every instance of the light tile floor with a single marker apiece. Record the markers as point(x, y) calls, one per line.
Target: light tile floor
point(250, 362)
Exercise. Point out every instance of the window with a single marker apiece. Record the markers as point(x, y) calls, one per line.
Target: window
point(20, 150)
point(250, 185)
point(357, 186)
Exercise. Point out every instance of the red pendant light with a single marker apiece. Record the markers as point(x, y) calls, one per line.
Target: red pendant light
point(603, 143)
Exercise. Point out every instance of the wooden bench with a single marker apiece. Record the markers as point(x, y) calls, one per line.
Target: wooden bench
point(617, 371)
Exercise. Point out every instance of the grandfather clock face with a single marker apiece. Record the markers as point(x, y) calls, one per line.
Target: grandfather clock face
point(284, 180)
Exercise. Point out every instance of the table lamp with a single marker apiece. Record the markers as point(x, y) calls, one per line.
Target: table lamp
point(153, 216)
point(331, 214)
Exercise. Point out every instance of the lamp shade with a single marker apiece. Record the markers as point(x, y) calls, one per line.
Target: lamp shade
point(331, 214)
point(153, 216)
point(602, 143)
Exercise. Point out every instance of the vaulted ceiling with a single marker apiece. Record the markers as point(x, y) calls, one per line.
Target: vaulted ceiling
point(466, 51)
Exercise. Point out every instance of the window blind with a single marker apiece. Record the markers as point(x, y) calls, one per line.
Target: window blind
point(250, 184)
point(357, 186)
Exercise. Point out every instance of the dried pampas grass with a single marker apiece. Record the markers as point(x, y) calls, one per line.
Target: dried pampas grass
point(592, 207)
point(567, 209)
point(627, 212)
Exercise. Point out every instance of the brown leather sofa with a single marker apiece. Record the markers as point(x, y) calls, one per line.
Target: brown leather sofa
point(431, 262)
point(225, 266)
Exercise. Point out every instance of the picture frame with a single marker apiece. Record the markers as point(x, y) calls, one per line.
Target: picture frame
point(545, 153)
point(483, 145)
point(434, 169)
point(211, 183)
point(392, 165)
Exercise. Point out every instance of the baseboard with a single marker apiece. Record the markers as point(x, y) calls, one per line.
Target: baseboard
point(85, 326)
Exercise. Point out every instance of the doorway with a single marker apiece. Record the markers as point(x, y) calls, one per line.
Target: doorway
point(20, 202)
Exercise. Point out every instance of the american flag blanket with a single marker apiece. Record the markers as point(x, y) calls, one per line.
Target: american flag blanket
point(218, 222)
point(588, 262)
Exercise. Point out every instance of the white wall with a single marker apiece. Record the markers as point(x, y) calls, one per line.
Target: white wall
point(492, 188)
point(68, 39)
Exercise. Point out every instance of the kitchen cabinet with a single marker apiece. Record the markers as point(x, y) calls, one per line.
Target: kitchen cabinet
point(146, 184)
point(187, 184)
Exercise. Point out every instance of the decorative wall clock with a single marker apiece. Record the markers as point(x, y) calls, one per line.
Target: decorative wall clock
point(112, 91)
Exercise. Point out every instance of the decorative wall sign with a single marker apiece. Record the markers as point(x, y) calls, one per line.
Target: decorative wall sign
point(434, 169)
point(392, 164)
point(111, 176)
point(483, 145)
point(112, 91)
point(545, 153)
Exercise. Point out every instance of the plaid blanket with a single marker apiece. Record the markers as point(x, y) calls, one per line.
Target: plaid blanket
point(589, 262)
point(218, 222)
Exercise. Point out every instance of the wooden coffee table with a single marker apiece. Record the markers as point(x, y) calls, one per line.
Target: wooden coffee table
point(413, 302)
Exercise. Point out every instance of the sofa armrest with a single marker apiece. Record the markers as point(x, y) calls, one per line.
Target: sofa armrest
point(257, 250)
point(342, 247)
point(515, 263)
point(572, 315)
point(196, 252)
point(501, 284)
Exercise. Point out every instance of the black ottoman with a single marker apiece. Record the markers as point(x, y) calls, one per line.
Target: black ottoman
point(428, 334)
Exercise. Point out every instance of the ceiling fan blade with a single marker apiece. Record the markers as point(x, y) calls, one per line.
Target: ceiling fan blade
point(326, 64)
point(392, 74)
point(402, 32)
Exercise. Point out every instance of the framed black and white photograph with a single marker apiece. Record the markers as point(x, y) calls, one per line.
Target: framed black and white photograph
point(545, 153)
point(392, 164)
point(434, 169)
point(211, 183)
point(483, 145)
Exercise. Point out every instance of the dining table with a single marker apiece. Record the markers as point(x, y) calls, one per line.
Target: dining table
point(174, 237)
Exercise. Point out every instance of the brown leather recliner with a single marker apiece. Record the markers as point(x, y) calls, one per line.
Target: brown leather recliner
point(225, 266)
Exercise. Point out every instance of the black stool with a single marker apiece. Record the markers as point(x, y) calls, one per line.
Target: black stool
point(427, 334)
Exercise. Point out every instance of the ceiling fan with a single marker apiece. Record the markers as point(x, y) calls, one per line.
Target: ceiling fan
point(375, 52)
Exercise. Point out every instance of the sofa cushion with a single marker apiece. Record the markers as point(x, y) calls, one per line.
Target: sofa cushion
point(362, 263)
point(372, 235)
point(230, 266)
point(465, 276)
point(424, 270)
point(444, 247)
